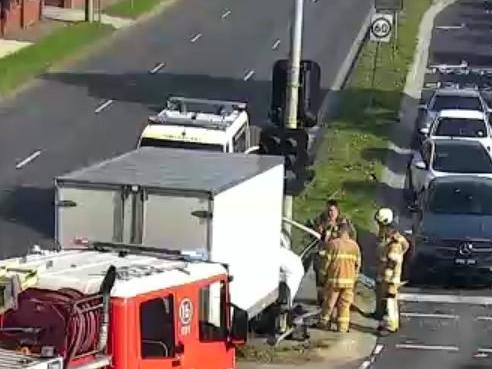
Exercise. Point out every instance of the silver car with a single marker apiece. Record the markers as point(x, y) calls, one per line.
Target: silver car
point(449, 99)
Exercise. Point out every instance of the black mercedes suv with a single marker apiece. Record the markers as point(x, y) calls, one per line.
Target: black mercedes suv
point(452, 231)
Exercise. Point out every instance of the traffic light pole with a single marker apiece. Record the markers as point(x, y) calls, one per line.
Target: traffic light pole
point(292, 94)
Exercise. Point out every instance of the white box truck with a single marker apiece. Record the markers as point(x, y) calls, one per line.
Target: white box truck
point(227, 206)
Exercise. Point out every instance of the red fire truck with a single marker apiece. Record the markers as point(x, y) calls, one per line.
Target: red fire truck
point(117, 306)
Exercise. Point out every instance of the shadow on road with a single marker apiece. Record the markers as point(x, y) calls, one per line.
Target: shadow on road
point(153, 89)
point(34, 207)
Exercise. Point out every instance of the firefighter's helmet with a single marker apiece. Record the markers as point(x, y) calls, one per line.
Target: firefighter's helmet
point(384, 216)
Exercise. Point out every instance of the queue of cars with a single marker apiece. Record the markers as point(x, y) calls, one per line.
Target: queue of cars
point(449, 179)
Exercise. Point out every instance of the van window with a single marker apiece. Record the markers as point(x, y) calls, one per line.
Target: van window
point(157, 328)
point(212, 312)
point(239, 140)
point(170, 144)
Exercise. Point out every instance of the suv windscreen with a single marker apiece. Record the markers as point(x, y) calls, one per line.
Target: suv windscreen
point(152, 142)
point(455, 158)
point(461, 127)
point(466, 198)
point(445, 102)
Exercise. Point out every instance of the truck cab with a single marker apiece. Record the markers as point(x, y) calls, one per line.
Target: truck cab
point(199, 124)
point(163, 311)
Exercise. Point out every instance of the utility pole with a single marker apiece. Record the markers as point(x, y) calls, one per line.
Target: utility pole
point(290, 116)
point(89, 11)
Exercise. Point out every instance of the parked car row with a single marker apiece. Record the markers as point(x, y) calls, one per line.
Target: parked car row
point(449, 179)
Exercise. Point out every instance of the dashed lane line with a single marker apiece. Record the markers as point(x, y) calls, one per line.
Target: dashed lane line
point(226, 14)
point(484, 318)
point(426, 315)
point(196, 38)
point(103, 106)
point(408, 346)
point(276, 44)
point(446, 299)
point(248, 75)
point(157, 68)
point(27, 160)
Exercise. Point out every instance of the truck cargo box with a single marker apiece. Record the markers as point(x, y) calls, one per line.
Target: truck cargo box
point(226, 206)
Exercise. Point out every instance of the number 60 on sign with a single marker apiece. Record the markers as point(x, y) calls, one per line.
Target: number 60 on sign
point(381, 27)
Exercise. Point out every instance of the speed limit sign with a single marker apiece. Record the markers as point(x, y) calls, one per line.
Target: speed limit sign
point(381, 27)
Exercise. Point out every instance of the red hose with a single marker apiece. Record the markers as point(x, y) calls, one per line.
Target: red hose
point(81, 327)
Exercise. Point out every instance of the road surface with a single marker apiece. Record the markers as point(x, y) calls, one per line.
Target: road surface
point(440, 328)
point(95, 110)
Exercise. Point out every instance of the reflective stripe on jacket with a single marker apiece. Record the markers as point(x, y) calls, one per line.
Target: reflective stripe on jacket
point(343, 261)
point(390, 259)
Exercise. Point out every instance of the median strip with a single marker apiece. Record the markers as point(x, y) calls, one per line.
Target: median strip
point(353, 152)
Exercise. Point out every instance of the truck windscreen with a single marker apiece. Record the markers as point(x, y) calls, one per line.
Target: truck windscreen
point(152, 142)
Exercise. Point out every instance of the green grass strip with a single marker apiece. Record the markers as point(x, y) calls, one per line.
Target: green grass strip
point(352, 154)
point(26, 63)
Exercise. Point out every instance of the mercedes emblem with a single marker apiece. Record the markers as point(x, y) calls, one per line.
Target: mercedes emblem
point(466, 249)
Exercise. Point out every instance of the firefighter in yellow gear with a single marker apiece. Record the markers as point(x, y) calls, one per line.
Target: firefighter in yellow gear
point(328, 224)
point(343, 262)
point(390, 261)
point(383, 217)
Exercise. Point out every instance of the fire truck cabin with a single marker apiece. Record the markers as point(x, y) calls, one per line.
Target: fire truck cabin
point(164, 312)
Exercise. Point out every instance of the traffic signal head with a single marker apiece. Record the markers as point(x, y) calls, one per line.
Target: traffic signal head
point(293, 145)
point(309, 92)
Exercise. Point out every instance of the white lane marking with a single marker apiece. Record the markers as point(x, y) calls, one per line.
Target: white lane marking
point(275, 45)
point(196, 37)
point(103, 106)
point(249, 75)
point(425, 315)
point(27, 160)
point(226, 14)
point(426, 347)
point(365, 364)
point(449, 299)
point(486, 318)
point(485, 350)
point(157, 68)
point(448, 28)
point(378, 349)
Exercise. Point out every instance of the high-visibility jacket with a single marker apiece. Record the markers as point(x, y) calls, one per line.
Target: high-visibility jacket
point(343, 262)
point(329, 231)
point(390, 261)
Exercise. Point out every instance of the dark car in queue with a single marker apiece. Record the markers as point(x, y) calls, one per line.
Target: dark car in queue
point(452, 231)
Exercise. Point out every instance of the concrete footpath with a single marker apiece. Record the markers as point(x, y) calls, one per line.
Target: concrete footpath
point(8, 47)
point(78, 15)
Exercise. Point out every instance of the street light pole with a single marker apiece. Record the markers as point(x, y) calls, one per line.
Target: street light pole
point(290, 116)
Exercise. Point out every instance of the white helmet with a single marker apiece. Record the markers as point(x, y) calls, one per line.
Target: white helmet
point(384, 216)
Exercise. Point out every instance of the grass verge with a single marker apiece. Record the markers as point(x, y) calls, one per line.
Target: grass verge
point(25, 64)
point(293, 354)
point(355, 146)
point(135, 8)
